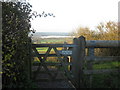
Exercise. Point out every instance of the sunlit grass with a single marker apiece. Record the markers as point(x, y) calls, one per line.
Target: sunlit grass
point(107, 65)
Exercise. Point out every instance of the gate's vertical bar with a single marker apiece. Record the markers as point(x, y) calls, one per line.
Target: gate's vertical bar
point(81, 59)
point(65, 57)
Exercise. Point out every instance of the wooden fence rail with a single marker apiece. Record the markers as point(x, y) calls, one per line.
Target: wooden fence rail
point(79, 58)
point(102, 44)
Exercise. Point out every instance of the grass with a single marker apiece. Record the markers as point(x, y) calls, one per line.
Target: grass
point(43, 50)
point(107, 65)
point(54, 40)
point(105, 80)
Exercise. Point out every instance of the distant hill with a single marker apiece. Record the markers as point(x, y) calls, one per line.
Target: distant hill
point(37, 34)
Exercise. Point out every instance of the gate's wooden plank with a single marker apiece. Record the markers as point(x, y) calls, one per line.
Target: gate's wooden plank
point(51, 55)
point(53, 45)
point(53, 64)
point(52, 71)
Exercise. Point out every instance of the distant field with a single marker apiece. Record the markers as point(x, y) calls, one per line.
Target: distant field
point(38, 34)
point(52, 40)
point(49, 40)
point(53, 37)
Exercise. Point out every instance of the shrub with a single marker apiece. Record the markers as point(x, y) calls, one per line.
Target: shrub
point(15, 44)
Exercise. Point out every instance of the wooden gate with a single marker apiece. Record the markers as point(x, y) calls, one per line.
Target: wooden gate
point(62, 57)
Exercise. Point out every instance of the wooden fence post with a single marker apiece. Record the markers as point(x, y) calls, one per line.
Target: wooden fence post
point(74, 62)
point(78, 58)
point(82, 44)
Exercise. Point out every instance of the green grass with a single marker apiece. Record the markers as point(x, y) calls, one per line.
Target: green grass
point(105, 80)
point(54, 40)
point(51, 41)
point(42, 49)
point(107, 65)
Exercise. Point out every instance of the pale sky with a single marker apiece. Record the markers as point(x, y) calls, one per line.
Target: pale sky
point(71, 14)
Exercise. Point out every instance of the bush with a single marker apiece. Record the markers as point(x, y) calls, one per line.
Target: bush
point(15, 44)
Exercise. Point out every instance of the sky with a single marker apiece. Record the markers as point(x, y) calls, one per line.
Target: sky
point(72, 14)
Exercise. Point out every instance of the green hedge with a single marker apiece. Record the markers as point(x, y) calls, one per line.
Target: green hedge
point(15, 44)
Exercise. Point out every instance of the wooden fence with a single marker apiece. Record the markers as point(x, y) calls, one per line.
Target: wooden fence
point(80, 57)
point(61, 58)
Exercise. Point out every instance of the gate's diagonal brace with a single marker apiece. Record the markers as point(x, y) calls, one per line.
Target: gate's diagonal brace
point(47, 53)
point(45, 57)
point(39, 66)
point(59, 56)
point(42, 61)
point(63, 63)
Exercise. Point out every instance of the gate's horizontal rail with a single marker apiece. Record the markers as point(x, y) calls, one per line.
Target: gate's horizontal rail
point(50, 55)
point(42, 55)
point(53, 45)
point(51, 64)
